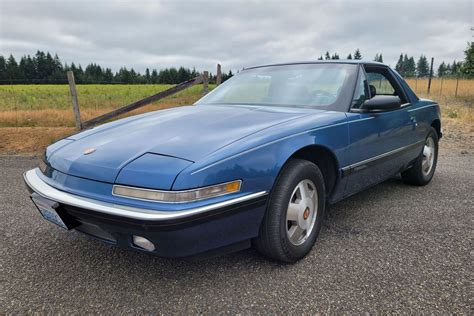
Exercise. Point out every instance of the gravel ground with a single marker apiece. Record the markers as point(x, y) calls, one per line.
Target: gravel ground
point(392, 248)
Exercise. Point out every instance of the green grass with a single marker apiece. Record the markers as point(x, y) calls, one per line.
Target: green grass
point(39, 97)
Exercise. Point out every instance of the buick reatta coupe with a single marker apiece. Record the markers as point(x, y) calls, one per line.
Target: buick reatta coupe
point(254, 162)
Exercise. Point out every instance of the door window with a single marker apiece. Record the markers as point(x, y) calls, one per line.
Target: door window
point(381, 82)
point(361, 92)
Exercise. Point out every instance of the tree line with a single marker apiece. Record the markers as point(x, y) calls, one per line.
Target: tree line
point(407, 67)
point(46, 68)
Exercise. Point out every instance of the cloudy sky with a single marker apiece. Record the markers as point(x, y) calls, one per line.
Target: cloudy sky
point(158, 34)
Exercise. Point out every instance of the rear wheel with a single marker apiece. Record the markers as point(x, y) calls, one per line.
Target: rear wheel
point(294, 214)
point(424, 167)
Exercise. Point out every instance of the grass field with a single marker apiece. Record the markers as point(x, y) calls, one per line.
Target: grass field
point(32, 116)
point(50, 105)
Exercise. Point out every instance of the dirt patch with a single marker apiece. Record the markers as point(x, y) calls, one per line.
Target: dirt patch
point(457, 136)
point(30, 140)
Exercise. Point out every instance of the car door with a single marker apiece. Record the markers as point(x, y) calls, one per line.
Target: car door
point(378, 141)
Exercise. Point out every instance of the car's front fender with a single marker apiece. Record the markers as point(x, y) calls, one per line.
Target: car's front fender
point(262, 156)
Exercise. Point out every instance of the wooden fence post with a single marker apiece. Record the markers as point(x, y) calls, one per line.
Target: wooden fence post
point(205, 82)
point(431, 75)
point(457, 84)
point(75, 104)
point(219, 75)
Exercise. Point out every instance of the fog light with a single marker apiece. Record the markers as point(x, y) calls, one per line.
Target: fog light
point(142, 242)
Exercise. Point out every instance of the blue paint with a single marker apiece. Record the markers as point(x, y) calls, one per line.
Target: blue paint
point(194, 146)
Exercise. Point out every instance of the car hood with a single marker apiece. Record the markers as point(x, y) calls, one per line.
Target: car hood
point(186, 133)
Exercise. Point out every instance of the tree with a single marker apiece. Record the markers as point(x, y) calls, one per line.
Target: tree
point(335, 56)
point(442, 69)
point(147, 76)
point(327, 56)
point(320, 57)
point(154, 76)
point(183, 75)
point(410, 67)
point(468, 64)
point(12, 70)
point(226, 76)
point(378, 58)
point(108, 75)
point(422, 67)
point(456, 68)
point(400, 67)
point(349, 56)
point(357, 54)
point(43, 67)
point(3, 68)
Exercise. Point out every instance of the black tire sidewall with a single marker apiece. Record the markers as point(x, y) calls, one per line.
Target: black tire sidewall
point(293, 174)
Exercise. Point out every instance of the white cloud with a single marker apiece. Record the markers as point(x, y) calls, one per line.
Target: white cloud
point(159, 34)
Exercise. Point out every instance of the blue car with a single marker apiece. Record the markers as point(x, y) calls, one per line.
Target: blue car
point(254, 162)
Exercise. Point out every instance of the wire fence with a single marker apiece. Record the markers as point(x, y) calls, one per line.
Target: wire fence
point(50, 105)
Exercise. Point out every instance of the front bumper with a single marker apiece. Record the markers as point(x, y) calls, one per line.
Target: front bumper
point(174, 233)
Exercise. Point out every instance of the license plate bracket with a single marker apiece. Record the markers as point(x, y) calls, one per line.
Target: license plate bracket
point(51, 211)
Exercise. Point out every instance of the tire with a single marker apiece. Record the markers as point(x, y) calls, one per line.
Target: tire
point(419, 174)
point(298, 178)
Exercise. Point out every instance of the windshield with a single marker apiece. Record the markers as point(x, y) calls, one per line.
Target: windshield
point(321, 86)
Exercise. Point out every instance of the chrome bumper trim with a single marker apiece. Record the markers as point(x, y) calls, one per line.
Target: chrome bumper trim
point(45, 190)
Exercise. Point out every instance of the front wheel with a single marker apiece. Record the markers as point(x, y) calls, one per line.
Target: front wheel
point(294, 214)
point(424, 167)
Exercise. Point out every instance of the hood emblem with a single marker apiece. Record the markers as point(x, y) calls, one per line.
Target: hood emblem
point(89, 151)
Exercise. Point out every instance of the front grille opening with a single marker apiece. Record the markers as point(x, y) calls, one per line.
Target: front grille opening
point(95, 231)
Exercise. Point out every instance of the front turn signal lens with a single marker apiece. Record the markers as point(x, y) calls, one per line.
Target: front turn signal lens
point(233, 186)
point(177, 196)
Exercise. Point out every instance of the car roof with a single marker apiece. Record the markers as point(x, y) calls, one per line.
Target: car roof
point(331, 61)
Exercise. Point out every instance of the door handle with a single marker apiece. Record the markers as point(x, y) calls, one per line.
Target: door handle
point(413, 121)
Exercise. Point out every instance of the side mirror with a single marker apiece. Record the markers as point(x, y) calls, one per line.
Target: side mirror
point(382, 103)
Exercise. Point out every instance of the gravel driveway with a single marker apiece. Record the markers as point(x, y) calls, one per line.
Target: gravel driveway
point(390, 248)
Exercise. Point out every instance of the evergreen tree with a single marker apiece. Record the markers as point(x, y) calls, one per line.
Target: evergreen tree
point(400, 67)
point(154, 76)
point(410, 68)
point(320, 57)
point(12, 70)
point(108, 75)
point(380, 58)
point(194, 73)
point(442, 69)
point(184, 74)
point(405, 64)
point(335, 56)
point(422, 67)
point(43, 67)
point(327, 56)
point(147, 76)
point(453, 69)
point(3, 69)
point(357, 54)
point(349, 56)
point(468, 64)
point(448, 70)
